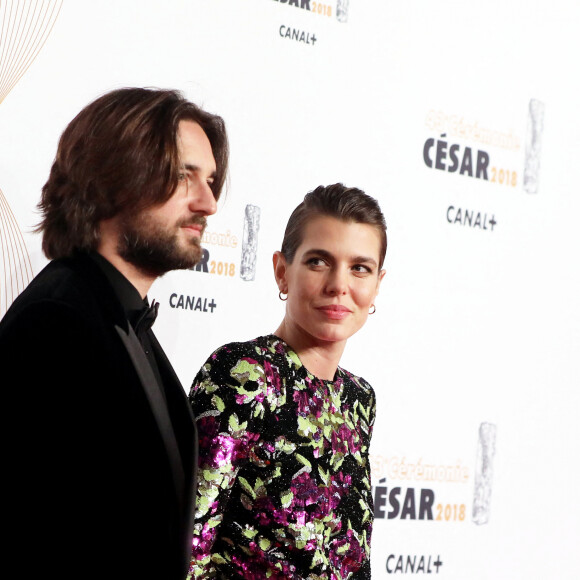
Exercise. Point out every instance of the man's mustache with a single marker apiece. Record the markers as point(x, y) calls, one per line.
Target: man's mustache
point(193, 221)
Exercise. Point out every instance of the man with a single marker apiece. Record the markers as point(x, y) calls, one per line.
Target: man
point(100, 461)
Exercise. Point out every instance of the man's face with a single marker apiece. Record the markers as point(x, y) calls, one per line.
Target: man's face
point(167, 236)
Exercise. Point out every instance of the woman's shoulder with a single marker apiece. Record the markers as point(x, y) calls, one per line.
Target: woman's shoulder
point(260, 347)
point(355, 381)
point(263, 350)
point(245, 372)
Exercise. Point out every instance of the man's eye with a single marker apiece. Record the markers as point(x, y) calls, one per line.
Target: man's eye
point(315, 262)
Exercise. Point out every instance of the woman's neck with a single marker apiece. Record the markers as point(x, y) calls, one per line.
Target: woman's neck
point(321, 358)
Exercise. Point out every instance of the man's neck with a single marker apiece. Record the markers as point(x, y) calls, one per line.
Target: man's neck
point(138, 278)
point(108, 249)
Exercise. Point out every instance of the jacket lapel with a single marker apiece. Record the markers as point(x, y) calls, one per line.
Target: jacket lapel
point(168, 373)
point(158, 407)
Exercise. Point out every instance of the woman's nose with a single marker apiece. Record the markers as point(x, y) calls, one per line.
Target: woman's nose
point(337, 283)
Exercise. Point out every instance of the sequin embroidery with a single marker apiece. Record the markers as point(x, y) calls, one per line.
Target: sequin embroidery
point(284, 490)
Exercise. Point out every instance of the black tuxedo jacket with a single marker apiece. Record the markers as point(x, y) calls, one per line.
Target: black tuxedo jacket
point(99, 462)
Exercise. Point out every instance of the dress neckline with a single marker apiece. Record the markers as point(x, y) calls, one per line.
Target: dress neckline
point(339, 373)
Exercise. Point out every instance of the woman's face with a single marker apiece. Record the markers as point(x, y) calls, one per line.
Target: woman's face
point(333, 279)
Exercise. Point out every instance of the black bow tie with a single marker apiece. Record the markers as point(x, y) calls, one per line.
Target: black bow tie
point(146, 318)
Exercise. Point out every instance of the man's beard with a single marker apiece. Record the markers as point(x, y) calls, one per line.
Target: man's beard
point(155, 249)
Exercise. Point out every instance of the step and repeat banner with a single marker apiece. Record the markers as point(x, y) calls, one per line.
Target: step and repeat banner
point(463, 120)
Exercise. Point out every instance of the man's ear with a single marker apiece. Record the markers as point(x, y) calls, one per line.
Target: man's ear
point(279, 262)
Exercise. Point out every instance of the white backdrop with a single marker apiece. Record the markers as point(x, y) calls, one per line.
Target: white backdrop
point(476, 324)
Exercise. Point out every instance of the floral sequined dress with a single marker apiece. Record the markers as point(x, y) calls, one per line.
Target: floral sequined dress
point(284, 486)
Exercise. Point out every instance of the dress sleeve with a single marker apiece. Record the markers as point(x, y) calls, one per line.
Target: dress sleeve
point(218, 397)
point(372, 414)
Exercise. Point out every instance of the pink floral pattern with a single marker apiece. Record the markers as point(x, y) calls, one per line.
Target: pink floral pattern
point(284, 490)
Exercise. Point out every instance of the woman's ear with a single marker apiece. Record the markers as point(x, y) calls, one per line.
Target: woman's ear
point(381, 276)
point(279, 262)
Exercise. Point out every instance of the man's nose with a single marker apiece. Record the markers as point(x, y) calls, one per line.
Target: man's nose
point(203, 200)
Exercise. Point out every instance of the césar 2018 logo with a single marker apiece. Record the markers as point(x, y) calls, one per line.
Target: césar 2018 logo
point(214, 266)
point(310, 5)
point(410, 508)
point(413, 504)
point(436, 155)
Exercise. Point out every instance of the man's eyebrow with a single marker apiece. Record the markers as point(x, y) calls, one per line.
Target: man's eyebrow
point(190, 167)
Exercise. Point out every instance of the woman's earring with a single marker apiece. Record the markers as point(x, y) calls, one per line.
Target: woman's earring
point(374, 309)
point(280, 296)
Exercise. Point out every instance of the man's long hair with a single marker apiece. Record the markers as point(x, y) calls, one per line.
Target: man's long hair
point(119, 154)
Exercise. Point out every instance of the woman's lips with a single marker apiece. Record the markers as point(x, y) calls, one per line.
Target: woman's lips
point(334, 311)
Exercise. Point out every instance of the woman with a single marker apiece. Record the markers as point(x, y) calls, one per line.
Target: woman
point(284, 488)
